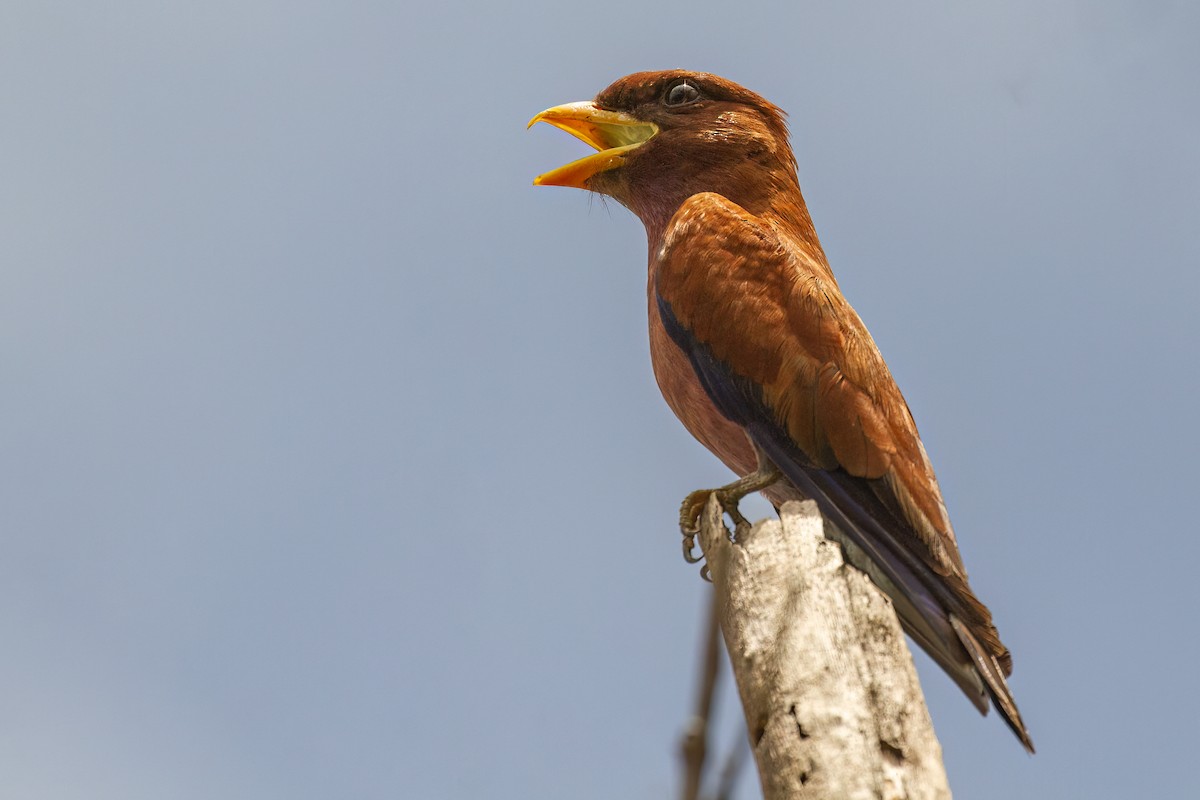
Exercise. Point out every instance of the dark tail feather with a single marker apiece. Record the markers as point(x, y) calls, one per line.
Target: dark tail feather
point(993, 678)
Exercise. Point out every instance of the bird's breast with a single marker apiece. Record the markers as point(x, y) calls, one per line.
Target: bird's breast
point(684, 394)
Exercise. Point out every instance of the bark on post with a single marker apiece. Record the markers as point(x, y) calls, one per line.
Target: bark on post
point(832, 702)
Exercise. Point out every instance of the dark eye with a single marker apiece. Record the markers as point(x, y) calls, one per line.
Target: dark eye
point(681, 94)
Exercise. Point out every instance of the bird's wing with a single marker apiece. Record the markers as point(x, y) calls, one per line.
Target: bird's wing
point(774, 317)
point(781, 353)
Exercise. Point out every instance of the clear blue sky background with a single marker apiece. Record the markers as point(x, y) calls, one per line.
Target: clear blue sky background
point(331, 463)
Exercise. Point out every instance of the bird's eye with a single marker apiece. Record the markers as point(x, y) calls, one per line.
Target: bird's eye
point(681, 94)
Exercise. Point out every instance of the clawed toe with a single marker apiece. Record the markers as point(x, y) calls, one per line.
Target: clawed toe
point(691, 511)
point(729, 505)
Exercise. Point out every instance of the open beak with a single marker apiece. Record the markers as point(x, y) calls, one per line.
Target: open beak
point(612, 133)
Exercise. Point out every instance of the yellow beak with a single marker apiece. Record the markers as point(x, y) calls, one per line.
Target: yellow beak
point(612, 133)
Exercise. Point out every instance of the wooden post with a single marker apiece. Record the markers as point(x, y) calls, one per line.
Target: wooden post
point(832, 702)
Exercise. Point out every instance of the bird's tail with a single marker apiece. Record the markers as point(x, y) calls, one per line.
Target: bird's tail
point(946, 621)
point(993, 679)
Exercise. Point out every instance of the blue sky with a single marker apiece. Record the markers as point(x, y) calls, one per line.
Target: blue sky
point(331, 463)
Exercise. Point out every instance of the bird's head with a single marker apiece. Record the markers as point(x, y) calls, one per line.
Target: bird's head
point(662, 137)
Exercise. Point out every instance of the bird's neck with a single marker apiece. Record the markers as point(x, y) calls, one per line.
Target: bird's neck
point(789, 212)
point(781, 205)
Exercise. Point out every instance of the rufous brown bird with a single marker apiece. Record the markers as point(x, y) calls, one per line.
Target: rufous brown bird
point(764, 361)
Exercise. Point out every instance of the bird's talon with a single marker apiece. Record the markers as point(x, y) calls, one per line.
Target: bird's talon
point(689, 545)
point(729, 504)
point(691, 511)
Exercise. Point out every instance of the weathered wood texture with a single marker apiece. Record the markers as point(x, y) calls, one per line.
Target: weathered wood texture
point(833, 706)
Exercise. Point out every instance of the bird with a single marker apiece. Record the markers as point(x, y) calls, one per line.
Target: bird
point(762, 358)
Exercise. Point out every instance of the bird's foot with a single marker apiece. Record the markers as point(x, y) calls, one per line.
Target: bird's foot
point(692, 509)
point(728, 496)
point(690, 513)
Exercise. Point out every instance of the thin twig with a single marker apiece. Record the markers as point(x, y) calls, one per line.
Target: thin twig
point(694, 745)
